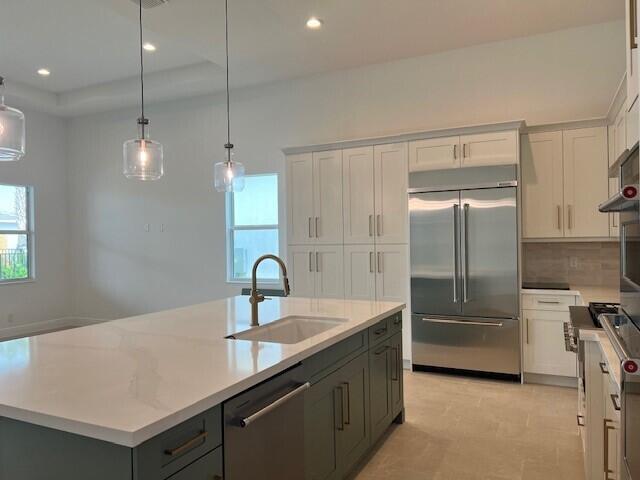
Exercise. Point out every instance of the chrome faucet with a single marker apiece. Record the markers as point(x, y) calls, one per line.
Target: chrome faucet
point(257, 298)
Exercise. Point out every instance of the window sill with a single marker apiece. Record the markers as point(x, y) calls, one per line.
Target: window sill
point(17, 282)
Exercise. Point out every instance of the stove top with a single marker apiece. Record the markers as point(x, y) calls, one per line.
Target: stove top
point(597, 308)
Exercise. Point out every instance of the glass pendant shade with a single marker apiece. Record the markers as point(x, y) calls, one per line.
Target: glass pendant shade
point(12, 131)
point(229, 176)
point(143, 158)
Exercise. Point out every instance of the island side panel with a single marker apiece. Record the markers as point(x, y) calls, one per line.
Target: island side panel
point(31, 452)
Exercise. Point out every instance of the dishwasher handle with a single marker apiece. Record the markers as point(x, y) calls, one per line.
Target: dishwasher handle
point(246, 421)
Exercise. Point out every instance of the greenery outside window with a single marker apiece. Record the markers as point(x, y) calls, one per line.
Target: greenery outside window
point(252, 229)
point(16, 233)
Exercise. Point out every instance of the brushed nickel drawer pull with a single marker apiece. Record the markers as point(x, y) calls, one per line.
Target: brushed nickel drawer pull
point(549, 302)
point(603, 368)
point(188, 445)
point(371, 263)
point(381, 350)
point(614, 398)
point(379, 225)
point(379, 262)
point(380, 331)
point(310, 229)
point(347, 395)
point(317, 228)
point(559, 217)
point(371, 225)
point(455, 151)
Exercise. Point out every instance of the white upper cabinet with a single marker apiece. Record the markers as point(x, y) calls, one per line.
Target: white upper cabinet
point(619, 135)
point(391, 200)
point(300, 216)
point(327, 197)
point(434, 154)
point(542, 185)
point(631, 52)
point(485, 149)
point(358, 195)
point(586, 183)
point(360, 272)
point(632, 124)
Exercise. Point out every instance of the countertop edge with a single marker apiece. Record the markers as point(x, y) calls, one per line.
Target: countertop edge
point(132, 439)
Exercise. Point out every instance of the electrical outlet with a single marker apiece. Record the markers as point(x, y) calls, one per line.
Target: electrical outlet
point(573, 262)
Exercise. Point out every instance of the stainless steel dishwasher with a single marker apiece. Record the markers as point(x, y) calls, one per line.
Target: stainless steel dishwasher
point(264, 430)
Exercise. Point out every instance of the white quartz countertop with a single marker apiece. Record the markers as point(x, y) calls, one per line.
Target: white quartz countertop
point(588, 293)
point(125, 381)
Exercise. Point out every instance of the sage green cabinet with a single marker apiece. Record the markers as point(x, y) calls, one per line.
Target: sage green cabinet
point(208, 467)
point(337, 421)
point(386, 385)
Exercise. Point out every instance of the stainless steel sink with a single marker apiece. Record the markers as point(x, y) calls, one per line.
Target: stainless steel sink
point(289, 330)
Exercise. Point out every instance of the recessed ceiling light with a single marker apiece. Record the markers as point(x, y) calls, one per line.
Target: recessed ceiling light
point(149, 47)
point(44, 72)
point(314, 23)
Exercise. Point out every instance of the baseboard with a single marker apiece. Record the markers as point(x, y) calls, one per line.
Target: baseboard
point(37, 328)
point(553, 380)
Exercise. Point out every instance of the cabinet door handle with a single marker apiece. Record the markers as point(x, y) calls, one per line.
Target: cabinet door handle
point(188, 445)
point(607, 428)
point(379, 225)
point(347, 395)
point(311, 261)
point(559, 213)
point(570, 217)
point(379, 262)
point(549, 302)
point(382, 349)
point(394, 368)
point(526, 319)
point(464, 150)
point(371, 225)
point(633, 27)
point(455, 151)
point(603, 369)
point(338, 403)
point(310, 228)
point(317, 228)
point(371, 263)
point(614, 399)
point(317, 262)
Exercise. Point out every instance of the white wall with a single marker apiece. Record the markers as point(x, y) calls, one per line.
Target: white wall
point(44, 167)
point(120, 269)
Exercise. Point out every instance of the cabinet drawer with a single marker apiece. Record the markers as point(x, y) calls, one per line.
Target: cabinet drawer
point(558, 303)
point(171, 451)
point(380, 331)
point(208, 467)
point(323, 363)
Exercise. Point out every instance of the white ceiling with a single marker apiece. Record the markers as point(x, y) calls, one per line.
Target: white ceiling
point(93, 42)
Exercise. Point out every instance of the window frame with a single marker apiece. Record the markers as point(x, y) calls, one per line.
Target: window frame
point(29, 232)
point(231, 228)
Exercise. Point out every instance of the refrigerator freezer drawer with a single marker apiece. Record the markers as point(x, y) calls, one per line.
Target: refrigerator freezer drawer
point(480, 344)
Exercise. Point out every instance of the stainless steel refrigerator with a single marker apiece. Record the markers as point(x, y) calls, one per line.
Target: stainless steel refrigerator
point(464, 279)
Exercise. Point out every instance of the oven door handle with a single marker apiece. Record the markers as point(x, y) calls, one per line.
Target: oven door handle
point(618, 344)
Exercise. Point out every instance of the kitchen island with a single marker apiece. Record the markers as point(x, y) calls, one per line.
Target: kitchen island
point(141, 398)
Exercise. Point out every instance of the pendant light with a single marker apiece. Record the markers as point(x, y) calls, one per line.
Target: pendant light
point(12, 131)
point(142, 156)
point(228, 175)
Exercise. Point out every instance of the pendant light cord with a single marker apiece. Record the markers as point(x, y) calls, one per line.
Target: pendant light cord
point(141, 71)
point(228, 145)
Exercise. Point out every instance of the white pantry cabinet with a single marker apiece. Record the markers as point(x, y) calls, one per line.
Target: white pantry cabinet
point(542, 189)
point(391, 199)
point(564, 179)
point(376, 272)
point(476, 150)
point(586, 182)
point(316, 271)
point(358, 195)
point(314, 196)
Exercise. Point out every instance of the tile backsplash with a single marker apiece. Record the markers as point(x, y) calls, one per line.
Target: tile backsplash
point(579, 263)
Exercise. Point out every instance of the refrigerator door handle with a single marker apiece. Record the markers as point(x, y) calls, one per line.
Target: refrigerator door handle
point(456, 207)
point(462, 322)
point(465, 263)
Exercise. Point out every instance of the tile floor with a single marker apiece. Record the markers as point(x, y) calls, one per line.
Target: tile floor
point(468, 429)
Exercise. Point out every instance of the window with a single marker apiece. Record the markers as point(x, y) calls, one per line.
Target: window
point(16, 233)
point(252, 229)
